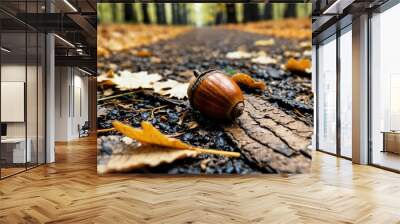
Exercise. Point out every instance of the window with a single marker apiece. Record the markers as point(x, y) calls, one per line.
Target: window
point(385, 89)
point(346, 93)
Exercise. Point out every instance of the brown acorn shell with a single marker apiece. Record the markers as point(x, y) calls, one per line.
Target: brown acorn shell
point(216, 96)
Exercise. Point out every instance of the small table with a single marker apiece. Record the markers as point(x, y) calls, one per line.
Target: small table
point(17, 150)
point(391, 141)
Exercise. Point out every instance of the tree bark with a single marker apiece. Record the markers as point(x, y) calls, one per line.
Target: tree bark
point(231, 13)
point(270, 138)
point(145, 12)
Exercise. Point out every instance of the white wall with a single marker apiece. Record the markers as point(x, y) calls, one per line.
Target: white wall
point(71, 94)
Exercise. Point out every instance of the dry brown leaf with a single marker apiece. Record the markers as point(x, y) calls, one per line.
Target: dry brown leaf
point(267, 42)
point(139, 80)
point(127, 80)
point(145, 156)
point(150, 135)
point(263, 59)
point(144, 53)
point(105, 76)
point(302, 66)
point(298, 28)
point(113, 38)
point(108, 92)
point(244, 80)
point(171, 88)
point(238, 55)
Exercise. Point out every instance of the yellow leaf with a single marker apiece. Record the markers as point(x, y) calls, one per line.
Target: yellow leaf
point(244, 80)
point(150, 135)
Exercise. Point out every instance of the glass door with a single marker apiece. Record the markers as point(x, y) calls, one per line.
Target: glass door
point(14, 144)
point(327, 96)
point(22, 77)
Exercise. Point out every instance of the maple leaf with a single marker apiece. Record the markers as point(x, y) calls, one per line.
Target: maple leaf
point(171, 88)
point(302, 66)
point(244, 80)
point(150, 135)
point(128, 80)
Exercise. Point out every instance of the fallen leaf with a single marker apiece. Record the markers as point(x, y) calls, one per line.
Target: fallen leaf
point(298, 28)
point(155, 60)
point(306, 44)
point(150, 135)
point(145, 156)
point(105, 76)
point(238, 55)
point(307, 53)
point(108, 92)
point(144, 53)
point(302, 66)
point(128, 80)
point(264, 60)
point(171, 88)
point(291, 54)
point(244, 80)
point(204, 163)
point(267, 42)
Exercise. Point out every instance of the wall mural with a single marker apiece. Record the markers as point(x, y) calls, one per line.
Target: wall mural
point(204, 88)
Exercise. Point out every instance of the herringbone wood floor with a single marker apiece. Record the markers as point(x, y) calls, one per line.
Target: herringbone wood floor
point(70, 191)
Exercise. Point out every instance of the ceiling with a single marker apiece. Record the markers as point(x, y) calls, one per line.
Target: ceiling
point(74, 21)
point(330, 15)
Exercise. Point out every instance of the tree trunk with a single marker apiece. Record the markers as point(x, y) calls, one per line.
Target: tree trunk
point(146, 17)
point(160, 11)
point(290, 10)
point(175, 13)
point(183, 13)
point(268, 11)
point(250, 12)
point(231, 13)
point(114, 12)
point(129, 14)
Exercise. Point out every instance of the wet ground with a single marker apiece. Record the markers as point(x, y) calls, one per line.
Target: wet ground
point(201, 49)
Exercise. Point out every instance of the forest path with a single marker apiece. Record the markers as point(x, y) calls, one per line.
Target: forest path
point(207, 48)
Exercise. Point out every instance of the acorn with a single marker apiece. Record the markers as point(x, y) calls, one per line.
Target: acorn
point(216, 95)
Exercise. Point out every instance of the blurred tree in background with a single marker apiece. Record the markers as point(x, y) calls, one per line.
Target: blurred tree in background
point(198, 14)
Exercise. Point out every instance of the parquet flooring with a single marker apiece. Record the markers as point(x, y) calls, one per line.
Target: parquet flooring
point(70, 191)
